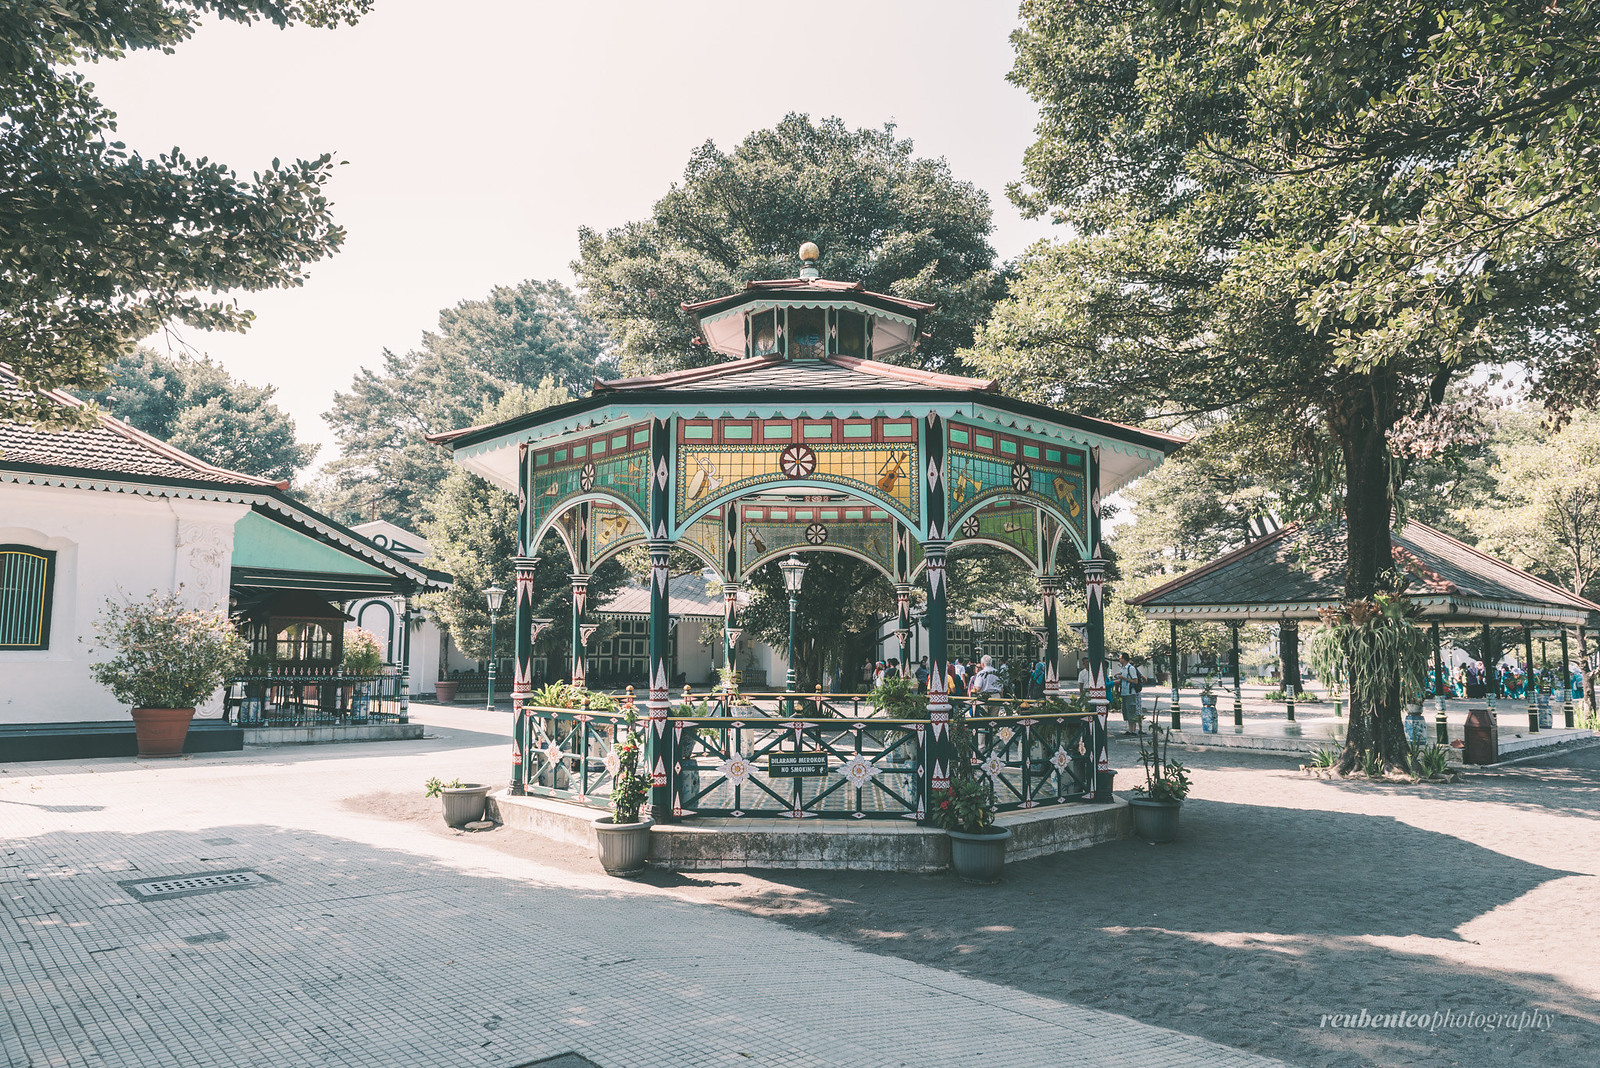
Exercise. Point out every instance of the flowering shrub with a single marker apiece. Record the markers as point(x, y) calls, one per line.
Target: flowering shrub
point(968, 806)
point(629, 787)
point(167, 655)
point(362, 653)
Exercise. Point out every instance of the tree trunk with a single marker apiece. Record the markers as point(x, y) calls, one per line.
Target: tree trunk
point(1375, 724)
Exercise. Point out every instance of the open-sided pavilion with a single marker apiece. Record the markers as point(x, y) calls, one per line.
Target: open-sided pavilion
point(807, 437)
point(1296, 572)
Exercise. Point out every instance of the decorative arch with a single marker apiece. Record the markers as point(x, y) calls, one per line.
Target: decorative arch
point(963, 543)
point(387, 633)
point(795, 486)
point(554, 521)
point(776, 554)
point(1063, 522)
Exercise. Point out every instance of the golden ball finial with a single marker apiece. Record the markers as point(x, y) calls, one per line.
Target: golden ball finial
point(809, 252)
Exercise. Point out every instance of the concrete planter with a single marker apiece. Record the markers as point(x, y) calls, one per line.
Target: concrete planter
point(1155, 821)
point(979, 858)
point(445, 692)
point(464, 804)
point(624, 847)
point(161, 731)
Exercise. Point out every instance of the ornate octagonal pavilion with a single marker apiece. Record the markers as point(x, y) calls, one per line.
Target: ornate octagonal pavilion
point(807, 439)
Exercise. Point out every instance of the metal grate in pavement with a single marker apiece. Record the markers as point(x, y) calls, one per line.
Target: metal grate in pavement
point(203, 882)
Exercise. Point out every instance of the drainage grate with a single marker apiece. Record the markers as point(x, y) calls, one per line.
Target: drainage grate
point(203, 882)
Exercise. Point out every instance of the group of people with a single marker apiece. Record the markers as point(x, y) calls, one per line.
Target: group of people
point(1507, 680)
point(967, 678)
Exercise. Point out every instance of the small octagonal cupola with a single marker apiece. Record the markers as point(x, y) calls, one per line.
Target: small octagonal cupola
point(809, 318)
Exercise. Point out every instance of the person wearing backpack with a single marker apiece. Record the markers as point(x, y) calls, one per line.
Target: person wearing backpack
point(1036, 681)
point(1129, 683)
point(986, 683)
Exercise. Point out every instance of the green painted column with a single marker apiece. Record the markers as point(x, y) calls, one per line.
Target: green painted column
point(938, 746)
point(1238, 683)
point(1172, 633)
point(522, 686)
point(660, 758)
point(1094, 579)
point(1528, 681)
point(406, 616)
point(1567, 714)
point(1049, 592)
point(902, 628)
point(580, 630)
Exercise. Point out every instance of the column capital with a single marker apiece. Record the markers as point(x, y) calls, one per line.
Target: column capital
point(578, 579)
point(1094, 567)
point(935, 546)
point(1050, 582)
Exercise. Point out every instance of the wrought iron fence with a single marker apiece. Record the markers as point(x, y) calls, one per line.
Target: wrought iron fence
point(311, 698)
point(762, 760)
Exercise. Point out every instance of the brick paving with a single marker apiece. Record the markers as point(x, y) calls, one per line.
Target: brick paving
point(378, 942)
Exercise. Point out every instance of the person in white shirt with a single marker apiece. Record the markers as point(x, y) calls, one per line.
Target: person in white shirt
point(986, 683)
point(1129, 683)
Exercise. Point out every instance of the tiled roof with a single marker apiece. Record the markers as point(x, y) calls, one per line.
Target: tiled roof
point(1304, 566)
point(686, 598)
point(110, 446)
point(773, 373)
point(799, 286)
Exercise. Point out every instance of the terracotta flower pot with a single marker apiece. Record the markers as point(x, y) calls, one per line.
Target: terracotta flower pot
point(161, 731)
point(445, 692)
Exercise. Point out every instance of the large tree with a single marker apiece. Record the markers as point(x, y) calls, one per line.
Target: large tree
point(899, 223)
point(196, 405)
point(99, 245)
point(530, 336)
point(1313, 218)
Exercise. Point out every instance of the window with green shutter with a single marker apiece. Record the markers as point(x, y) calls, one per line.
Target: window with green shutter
point(27, 579)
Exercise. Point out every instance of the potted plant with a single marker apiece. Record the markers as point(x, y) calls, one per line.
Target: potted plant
point(168, 659)
point(444, 691)
point(1166, 784)
point(464, 802)
point(624, 836)
point(966, 812)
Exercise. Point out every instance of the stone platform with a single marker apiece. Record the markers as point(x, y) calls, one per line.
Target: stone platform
point(725, 844)
point(1307, 735)
point(326, 735)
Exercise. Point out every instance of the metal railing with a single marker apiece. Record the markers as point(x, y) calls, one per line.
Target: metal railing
point(802, 756)
point(311, 698)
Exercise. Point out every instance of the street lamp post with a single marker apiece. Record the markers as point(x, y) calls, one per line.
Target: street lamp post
point(794, 573)
point(917, 615)
point(495, 596)
point(980, 623)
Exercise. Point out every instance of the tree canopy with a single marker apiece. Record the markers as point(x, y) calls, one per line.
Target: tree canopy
point(899, 223)
point(196, 405)
point(99, 245)
point(528, 339)
point(1312, 218)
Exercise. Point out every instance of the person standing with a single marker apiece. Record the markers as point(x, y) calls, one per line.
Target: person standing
point(1036, 681)
point(1129, 683)
point(922, 675)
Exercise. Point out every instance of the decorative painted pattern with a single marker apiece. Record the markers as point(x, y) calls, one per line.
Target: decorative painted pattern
point(611, 529)
point(767, 530)
point(872, 458)
point(1016, 525)
point(616, 461)
point(983, 463)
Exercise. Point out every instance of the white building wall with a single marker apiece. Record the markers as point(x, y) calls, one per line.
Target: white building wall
point(106, 544)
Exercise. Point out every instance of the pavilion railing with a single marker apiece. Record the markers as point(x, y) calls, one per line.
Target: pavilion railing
point(759, 762)
point(311, 698)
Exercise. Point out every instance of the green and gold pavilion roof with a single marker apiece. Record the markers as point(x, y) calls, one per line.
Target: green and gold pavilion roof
point(807, 440)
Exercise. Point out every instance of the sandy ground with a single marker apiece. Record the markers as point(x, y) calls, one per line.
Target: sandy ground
point(1286, 899)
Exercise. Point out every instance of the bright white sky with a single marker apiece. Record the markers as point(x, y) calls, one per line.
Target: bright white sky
point(481, 134)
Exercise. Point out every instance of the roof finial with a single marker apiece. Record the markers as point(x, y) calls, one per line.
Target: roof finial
point(809, 254)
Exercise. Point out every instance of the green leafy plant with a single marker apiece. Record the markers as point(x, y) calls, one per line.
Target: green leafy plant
point(1429, 761)
point(1164, 779)
point(967, 806)
point(1372, 766)
point(362, 654)
point(433, 786)
point(1273, 695)
point(1307, 697)
point(1324, 756)
point(167, 655)
point(555, 695)
point(629, 787)
point(897, 698)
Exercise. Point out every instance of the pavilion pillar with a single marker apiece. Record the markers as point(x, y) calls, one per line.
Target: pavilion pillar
point(902, 629)
point(939, 746)
point(1049, 589)
point(580, 630)
point(1439, 687)
point(1094, 580)
point(1238, 683)
point(1491, 677)
point(1172, 632)
point(730, 633)
point(406, 615)
point(1289, 662)
point(660, 758)
point(1527, 680)
point(522, 688)
point(1566, 683)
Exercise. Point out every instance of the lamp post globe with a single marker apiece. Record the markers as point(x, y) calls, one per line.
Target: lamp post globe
point(794, 573)
point(980, 623)
point(494, 596)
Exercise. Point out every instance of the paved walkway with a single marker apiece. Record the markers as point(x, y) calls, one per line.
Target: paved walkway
point(378, 942)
